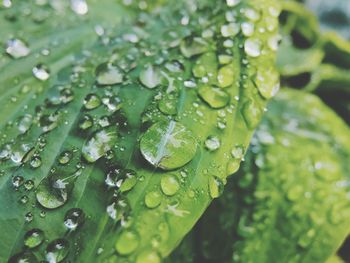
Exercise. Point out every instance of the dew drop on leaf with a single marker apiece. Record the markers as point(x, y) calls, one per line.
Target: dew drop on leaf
point(168, 145)
point(65, 157)
point(99, 144)
point(150, 77)
point(74, 218)
point(51, 194)
point(41, 72)
point(92, 101)
point(251, 113)
point(79, 7)
point(118, 208)
point(86, 122)
point(153, 199)
point(127, 242)
point(216, 187)
point(215, 97)
point(25, 123)
point(57, 250)
point(193, 46)
point(226, 76)
point(212, 143)
point(16, 48)
point(148, 257)
point(252, 47)
point(230, 30)
point(169, 185)
point(35, 162)
point(33, 238)
point(108, 74)
point(267, 82)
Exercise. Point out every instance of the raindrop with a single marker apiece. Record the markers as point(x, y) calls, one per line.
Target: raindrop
point(153, 199)
point(230, 30)
point(74, 218)
point(127, 242)
point(65, 157)
point(86, 122)
point(212, 143)
point(114, 177)
point(226, 76)
point(169, 185)
point(148, 257)
point(33, 238)
point(168, 145)
point(92, 101)
point(215, 97)
point(41, 72)
point(23, 257)
point(216, 187)
point(35, 162)
point(25, 123)
point(29, 217)
point(232, 3)
point(193, 46)
point(252, 47)
point(251, 113)
point(57, 250)
point(17, 181)
point(267, 81)
point(108, 74)
point(247, 29)
point(29, 185)
point(99, 144)
point(16, 48)
point(118, 208)
point(150, 77)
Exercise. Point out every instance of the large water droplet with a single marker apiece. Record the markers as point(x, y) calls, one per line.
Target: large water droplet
point(230, 30)
point(169, 185)
point(168, 145)
point(16, 48)
point(23, 257)
point(108, 74)
point(33, 238)
point(216, 187)
point(57, 250)
point(215, 97)
point(226, 76)
point(74, 218)
point(150, 76)
point(99, 144)
point(35, 162)
point(251, 113)
point(127, 242)
point(41, 72)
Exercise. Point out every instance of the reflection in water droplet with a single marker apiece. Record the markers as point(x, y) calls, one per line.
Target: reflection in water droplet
point(99, 144)
point(16, 48)
point(41, 72)
point(74, 218)
point(118, 208)
point(86, 122)
point(65, 157)
point(35, 162)
point(57, 250)
point(92, 101)
point(33, 238)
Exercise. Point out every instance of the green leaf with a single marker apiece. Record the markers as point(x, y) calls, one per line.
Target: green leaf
point(88, 139)
point(288, 203)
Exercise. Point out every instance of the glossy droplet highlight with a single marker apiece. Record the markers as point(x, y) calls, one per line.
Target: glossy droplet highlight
point(153, 199)
point(168, 145)
point(212, 143)
point(150, 77)
point(252, 47)
point(92, 101)
point(215, 97)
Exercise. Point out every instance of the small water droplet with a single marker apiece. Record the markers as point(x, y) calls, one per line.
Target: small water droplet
point(33, 238)
point(92, 101)
point(216, 187)
point(212, 143)
point(150, 77)
point(57, 250)
point(127, 242)
point(35, 162)
point(41, 72)
point(79, 7)
point(252, 47)
point(74, 218)
point(65, 157)
point(153, 199)
point(108, 74)
point(86, 122)
point(16, 48)
point(169, 185)
point(148, 257)
point(25, 123)
point(230, 30)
